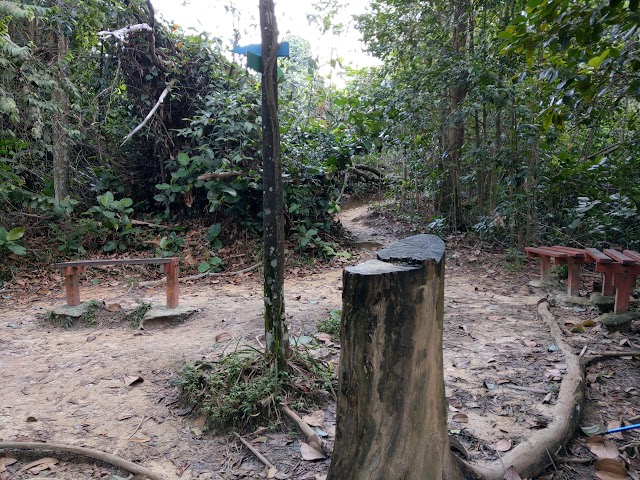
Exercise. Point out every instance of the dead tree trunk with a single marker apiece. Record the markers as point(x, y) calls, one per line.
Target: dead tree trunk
point(391, 411)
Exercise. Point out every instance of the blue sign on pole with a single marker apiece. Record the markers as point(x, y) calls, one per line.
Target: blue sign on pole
point(253, 52)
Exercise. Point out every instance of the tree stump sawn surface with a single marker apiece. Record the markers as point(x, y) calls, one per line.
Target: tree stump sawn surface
point(391, 409)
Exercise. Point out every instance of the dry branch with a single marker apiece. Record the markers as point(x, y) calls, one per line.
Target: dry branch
point(271, 469)
point(84, 452)
point(153, 283)
point(207, 176)
point(312, 437)
point(164, 93)
point(531, 456)
point(121, 33)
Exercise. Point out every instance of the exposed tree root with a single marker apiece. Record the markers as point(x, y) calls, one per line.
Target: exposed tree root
point(84, 452)
point(536, 452)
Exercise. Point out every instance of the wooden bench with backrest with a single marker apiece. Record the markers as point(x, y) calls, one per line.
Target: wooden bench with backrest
point(619, 269)
point(72, 270)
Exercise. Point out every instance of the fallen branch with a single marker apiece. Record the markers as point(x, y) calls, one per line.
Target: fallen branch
point(594, 356)
point(271, 469)
point(164, 93)
point(153, 283)
point(121, 33)
point(207, 176)
point(147, 224)
point(84, 452)
point(373, 170)
point(524, 389)
point(312, 437)
point(531, 456)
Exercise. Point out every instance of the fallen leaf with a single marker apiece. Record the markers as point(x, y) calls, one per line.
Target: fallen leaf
point(512, 474)
point(260, 439)
point(460, 418)
point(320, 477)
point(592, 377)
point(462, 364)
point(324, 337)
point(91, 338)
point(315, 419)
point(140, 439)
point(124, 416)
point(32, 419)
point(43, 466)
point(114, 307)
point(5, 462)
point(602, 447)
point(35, 463)
point(223, 337)
point(309, 453)
point(547, 398)
point(271, 471)
point(530, 343)
point(503, 445)
point(130, 380)
point(282, 476)
point(610, 469)
point(453, 409)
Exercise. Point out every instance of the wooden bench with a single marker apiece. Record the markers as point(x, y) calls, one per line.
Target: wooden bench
point(572, 257)
point(72, 270)
point(619, 271)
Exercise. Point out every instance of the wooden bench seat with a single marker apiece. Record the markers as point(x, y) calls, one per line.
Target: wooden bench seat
point(572, 257)
point(619, 271)
point(72, 270)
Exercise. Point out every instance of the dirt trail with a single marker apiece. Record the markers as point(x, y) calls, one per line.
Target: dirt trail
point(67, 386)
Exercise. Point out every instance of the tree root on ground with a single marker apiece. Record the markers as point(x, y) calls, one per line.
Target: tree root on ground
point(84, 452)
point(537, 451)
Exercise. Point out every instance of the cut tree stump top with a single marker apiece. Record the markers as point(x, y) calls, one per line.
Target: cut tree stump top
point(414, 250)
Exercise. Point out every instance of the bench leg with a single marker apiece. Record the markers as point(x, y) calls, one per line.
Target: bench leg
point(624, 283)
point(171, 270)
point(545, 269)
point(573, 281)
point(72, 285)
point(607, 284)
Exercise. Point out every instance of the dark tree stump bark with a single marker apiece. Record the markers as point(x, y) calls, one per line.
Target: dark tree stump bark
point(391, 410)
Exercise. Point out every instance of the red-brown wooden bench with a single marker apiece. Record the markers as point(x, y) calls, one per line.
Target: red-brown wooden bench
point(572, 257)
point(72, 270)
point(619, 271)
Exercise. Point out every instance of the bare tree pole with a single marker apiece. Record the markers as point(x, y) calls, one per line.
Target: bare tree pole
point(276, 335)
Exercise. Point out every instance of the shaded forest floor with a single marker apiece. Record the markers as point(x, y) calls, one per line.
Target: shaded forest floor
point(502, 368)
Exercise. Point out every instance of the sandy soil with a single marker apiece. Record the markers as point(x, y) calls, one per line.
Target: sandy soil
point(70, 385)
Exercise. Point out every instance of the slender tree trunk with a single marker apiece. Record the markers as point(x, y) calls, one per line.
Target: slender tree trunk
point(277, 337)
point(456, 131)
point(60, 147)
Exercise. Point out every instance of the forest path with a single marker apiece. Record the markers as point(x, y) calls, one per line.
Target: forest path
point(69, 386)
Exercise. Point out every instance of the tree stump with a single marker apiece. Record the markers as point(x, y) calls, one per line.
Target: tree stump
point(391, 409)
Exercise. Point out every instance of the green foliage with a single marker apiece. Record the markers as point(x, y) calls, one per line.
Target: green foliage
point(331, 325)
point(113, 216)
point(170, 245)
point(9, 241)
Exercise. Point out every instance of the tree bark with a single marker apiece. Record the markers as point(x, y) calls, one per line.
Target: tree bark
point(391, 409)
point(60, 146)
point(276, 335)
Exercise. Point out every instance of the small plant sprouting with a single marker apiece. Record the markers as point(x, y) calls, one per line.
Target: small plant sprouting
point(243, 386)
point(136, 317)
point(514, 259)
point(331, 325)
